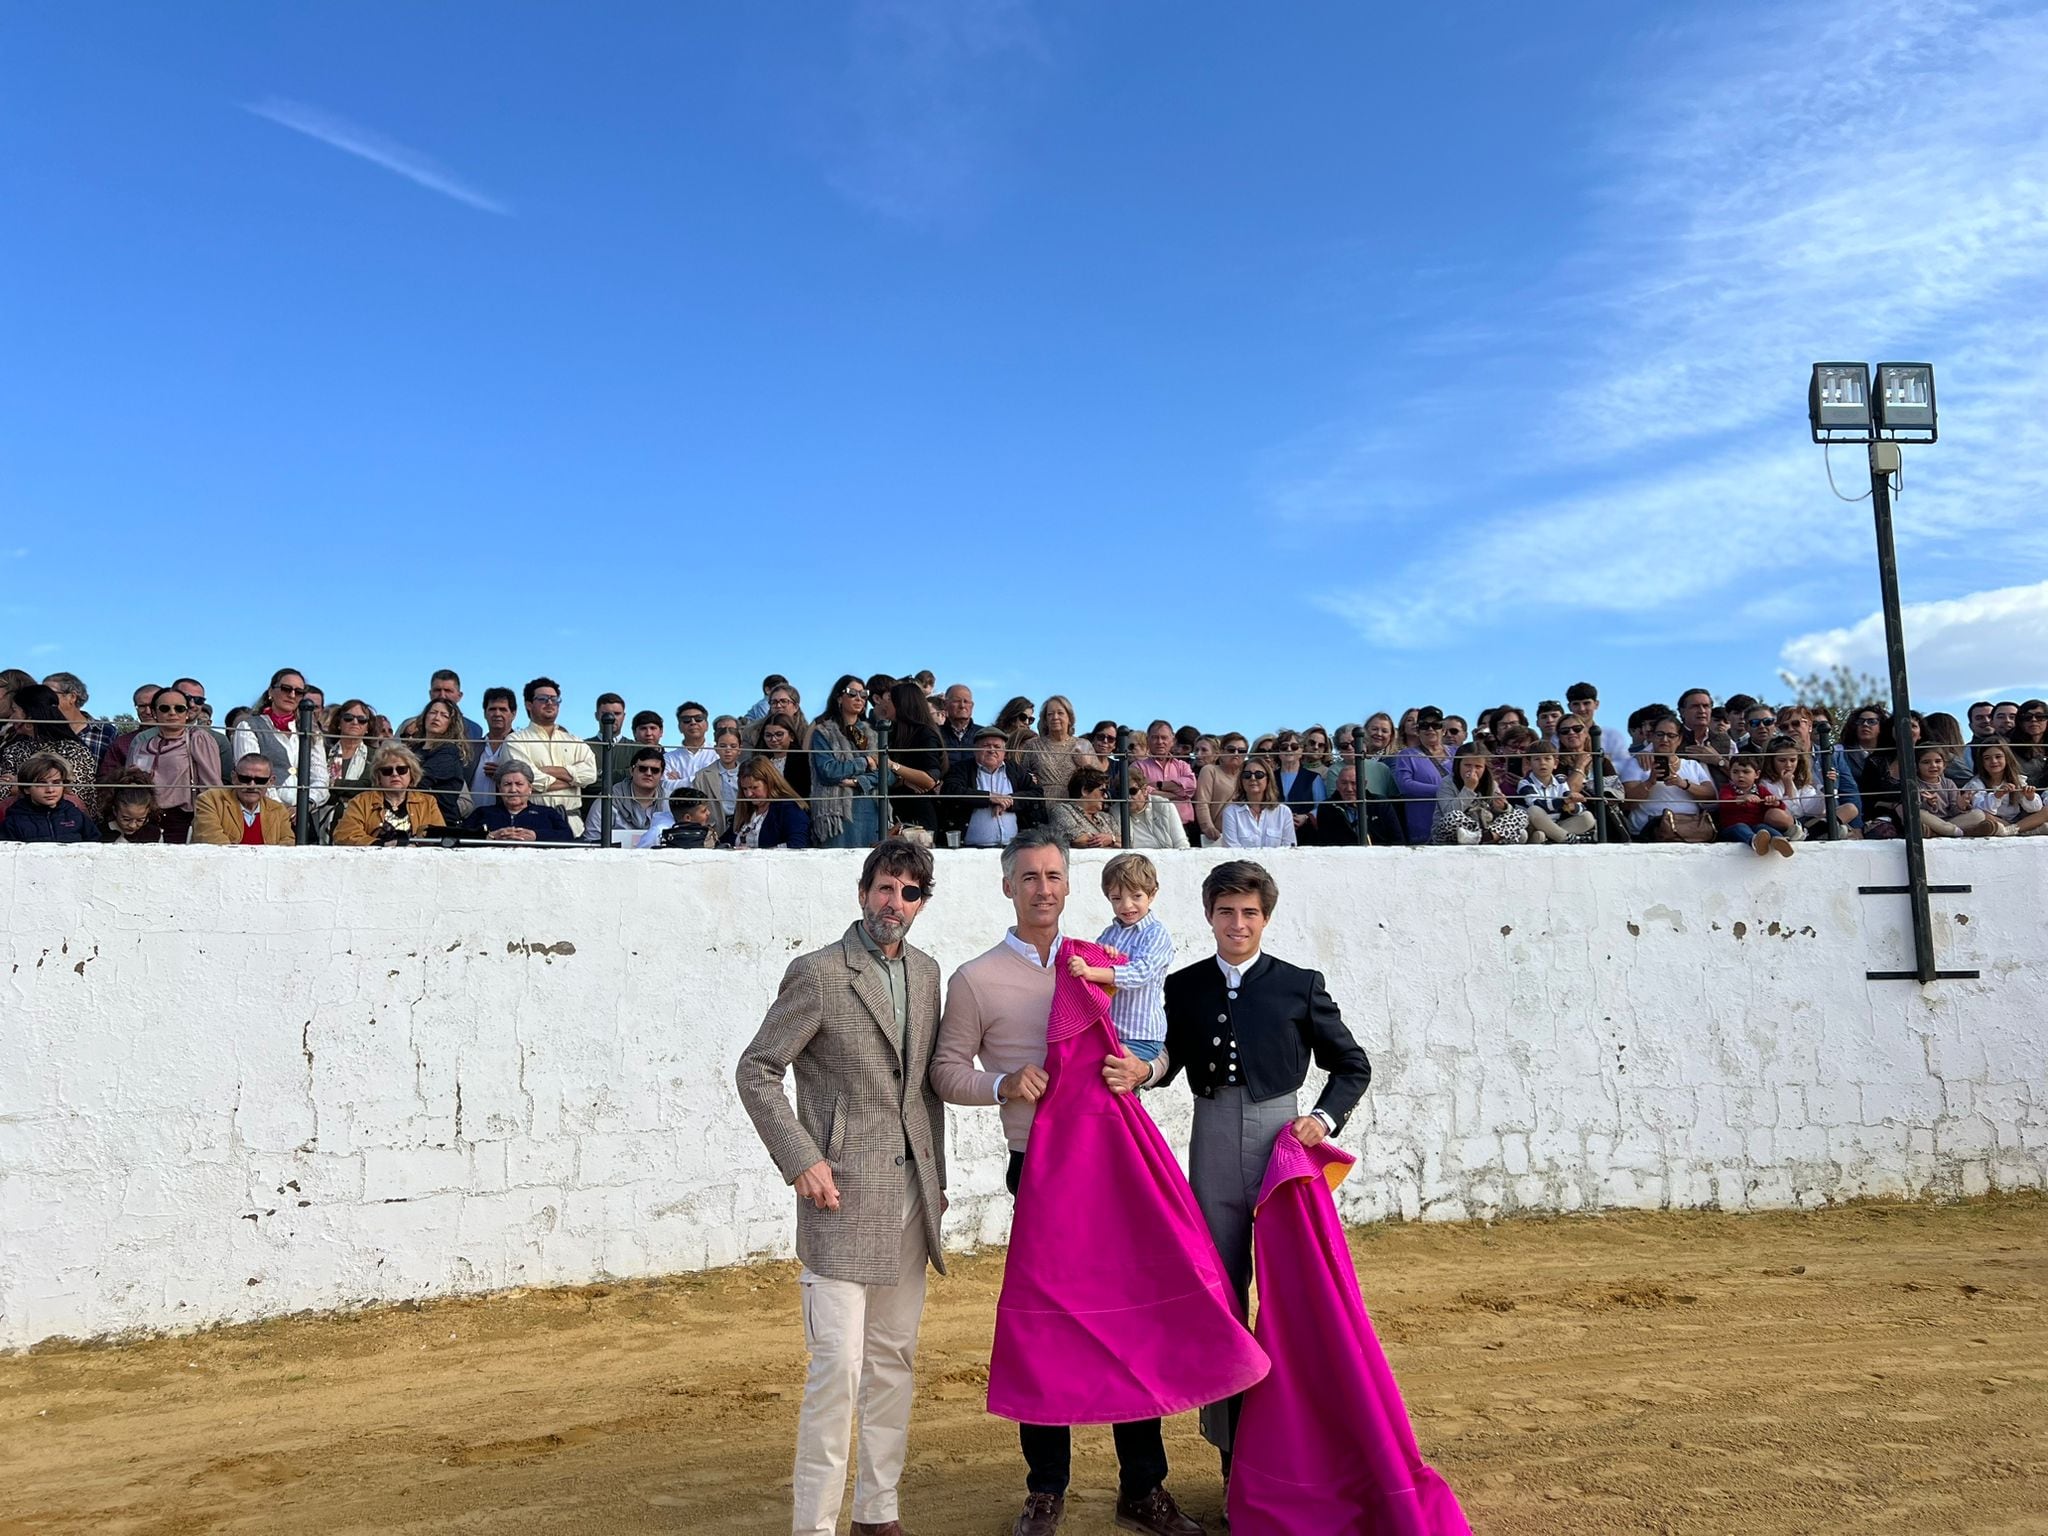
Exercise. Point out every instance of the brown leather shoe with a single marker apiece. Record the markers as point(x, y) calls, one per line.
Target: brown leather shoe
point(886, 1528)
point(1156, 1514)
point(1041, 1516)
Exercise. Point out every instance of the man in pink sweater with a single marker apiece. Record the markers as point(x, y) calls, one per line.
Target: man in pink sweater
point(996, 1010)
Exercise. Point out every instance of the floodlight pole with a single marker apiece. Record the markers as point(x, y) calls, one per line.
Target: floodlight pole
point(1884, 463)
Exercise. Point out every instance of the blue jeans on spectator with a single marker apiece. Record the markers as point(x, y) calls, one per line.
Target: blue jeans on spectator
point(860, 829)
point(1742, 834)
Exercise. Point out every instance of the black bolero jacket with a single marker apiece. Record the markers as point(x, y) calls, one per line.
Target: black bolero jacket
point(1283, 1019)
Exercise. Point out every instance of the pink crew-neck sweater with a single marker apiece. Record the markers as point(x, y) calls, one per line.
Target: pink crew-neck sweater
point(996, 1009)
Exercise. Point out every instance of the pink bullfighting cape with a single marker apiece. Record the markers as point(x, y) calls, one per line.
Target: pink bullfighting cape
point(1115, 1306)
point(1323, 1443)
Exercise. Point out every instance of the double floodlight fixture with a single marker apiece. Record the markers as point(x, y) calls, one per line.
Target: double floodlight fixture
point(1846, 408)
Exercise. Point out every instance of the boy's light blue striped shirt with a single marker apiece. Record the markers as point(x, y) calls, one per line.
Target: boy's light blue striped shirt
point(1138, 1006)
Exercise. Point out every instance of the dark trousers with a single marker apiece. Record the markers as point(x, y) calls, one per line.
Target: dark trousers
point(1049, 1448)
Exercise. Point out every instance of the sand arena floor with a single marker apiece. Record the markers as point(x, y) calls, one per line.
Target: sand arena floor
point(1876, 1368)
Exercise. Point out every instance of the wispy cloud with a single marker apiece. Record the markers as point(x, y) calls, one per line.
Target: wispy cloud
point(353, 139)
point(1986, 644)
point(45, 648)
point(929, 87)
point(1868, 184)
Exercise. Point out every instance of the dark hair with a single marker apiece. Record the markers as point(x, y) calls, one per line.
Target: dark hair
point(880, 684)
point(1550, 706)
point(846, 680)
point(38, 705)
point(1011, 717)
point(1240, 877)
point(445, 675)
point(685, 799)
point(609, 698)
point(646, 755)
point(912, 707)
point(1085, 781)
point(648, 717)
point(510, 699)
point(689, 704)
point(1708, 693)
point(539, 683)
point(157, 695)
point(773, 681)
point(899, 857)
point(1580, 691)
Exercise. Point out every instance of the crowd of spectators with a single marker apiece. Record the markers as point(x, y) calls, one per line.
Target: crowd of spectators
point(898, 754)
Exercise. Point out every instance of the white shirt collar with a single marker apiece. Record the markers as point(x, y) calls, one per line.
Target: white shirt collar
point(1233, 975)
point(1030, 953)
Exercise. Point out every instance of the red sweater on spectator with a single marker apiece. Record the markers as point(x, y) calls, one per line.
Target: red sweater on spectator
point(1735, 812)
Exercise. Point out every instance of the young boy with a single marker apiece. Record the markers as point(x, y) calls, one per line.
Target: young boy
point(1138, 1005)
point(1750, 813)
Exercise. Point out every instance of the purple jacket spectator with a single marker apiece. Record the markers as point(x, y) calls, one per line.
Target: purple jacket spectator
point(1416, 776)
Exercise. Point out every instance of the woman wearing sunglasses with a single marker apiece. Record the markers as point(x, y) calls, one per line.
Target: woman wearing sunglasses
point(271, 731)
point(181, 763)
point(1256, 816)
point(393, 813)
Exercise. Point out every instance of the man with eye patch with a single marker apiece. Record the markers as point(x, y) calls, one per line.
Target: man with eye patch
point(865, 1149)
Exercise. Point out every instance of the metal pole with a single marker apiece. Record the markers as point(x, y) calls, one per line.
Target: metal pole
point(1122, 759)
point(1831, 790)
point(303, 819)
point(882, 777)
point(1599, 761)
point(1884, 458)
point(607, 733)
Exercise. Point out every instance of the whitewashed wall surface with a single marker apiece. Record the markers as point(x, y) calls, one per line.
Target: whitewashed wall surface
point(242, 1082)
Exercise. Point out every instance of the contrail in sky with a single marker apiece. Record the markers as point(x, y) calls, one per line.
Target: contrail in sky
point(351, 139)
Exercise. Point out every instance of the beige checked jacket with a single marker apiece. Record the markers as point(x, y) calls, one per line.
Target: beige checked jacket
point(863, 1104)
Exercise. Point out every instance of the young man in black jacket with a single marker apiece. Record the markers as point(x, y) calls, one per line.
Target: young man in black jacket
point(1244, 1027)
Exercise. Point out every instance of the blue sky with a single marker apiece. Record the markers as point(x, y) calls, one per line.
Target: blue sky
point(1237, 365)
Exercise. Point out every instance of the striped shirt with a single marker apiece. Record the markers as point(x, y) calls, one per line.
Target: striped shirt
point(1138, 1006)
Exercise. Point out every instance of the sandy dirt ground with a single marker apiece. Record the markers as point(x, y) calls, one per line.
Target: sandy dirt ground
point(1875, 1368)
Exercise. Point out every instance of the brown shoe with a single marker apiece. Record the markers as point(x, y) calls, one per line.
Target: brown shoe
point(886, 1528)
point(1155, 1514)
point(1041, 1516)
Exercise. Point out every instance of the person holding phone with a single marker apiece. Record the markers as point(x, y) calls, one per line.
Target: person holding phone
point(1667, 792)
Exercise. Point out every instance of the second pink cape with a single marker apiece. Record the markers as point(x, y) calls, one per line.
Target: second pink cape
point(1115, 1306)
point(1324, 1446)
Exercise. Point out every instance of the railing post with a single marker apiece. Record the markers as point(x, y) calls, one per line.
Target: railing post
point(303, 817)
point(1599, 791)
point(1358, 788)
point(887, 818)
point(607, 733)
point(1121, 758)
point(1831, 791)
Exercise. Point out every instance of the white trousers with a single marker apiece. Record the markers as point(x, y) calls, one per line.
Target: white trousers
point(863, 1340)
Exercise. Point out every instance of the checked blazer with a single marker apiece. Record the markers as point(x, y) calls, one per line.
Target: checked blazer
point(864, 1104)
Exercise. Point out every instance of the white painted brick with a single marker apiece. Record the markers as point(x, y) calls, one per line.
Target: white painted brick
point(408, 1173)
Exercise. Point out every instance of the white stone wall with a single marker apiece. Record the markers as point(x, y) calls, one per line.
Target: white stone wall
point(235, 1083)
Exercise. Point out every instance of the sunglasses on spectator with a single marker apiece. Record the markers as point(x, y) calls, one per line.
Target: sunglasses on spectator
point(1254, 774)
point(545, 698)
point(252, 778)
point(1567, 728)
point(392, 771)
point(174, 709)
point(291, 689)
point(2034, 714)
point(691, 719)
point(1761, 720)
point(647, 767)
point(355, 719)
point(854, 693)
